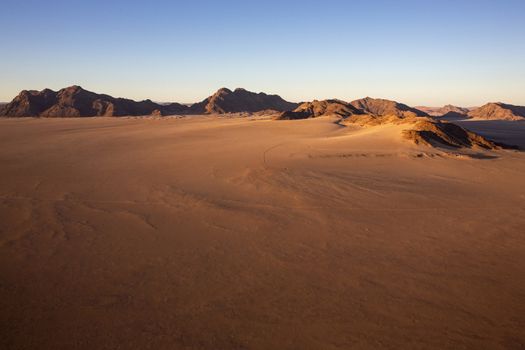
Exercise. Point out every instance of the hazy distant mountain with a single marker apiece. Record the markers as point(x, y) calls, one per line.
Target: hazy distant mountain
point(499, 111)
point(240, 100)
point(320, 108)
point(74, 101)
point(382, 107)
point(442, 111)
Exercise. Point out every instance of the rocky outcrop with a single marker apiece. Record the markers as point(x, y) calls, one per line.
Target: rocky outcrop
point(435, 133)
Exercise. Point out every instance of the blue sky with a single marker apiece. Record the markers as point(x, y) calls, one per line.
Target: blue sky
point(425, 52)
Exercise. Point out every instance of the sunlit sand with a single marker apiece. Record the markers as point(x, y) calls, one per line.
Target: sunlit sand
point(223, 233)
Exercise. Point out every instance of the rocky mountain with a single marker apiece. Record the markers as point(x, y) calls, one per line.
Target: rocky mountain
point(320, 108)
point(74, 101)
point(240, 100)
point(500, 111)
point(442, 111)
point(381, 107)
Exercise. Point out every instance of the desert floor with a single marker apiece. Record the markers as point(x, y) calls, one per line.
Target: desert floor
point(229, 233)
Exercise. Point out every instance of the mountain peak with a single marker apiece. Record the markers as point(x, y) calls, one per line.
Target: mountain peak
point(222, 91)
point(74, 88)
point(240, 100)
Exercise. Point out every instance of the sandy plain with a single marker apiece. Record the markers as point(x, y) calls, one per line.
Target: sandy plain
point(243, 233)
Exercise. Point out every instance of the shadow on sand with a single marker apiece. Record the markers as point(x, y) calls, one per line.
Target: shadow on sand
point(509, 134)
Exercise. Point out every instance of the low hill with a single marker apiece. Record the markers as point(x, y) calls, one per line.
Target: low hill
point(453, 115)
point(434, 133)
point(240, 100)
point(498, 111)
point(74, 101)
point(382, 107)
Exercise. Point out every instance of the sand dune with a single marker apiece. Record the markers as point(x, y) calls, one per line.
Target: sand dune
point(249, 233)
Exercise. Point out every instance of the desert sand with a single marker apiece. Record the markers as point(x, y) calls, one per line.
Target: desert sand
point(249, 233)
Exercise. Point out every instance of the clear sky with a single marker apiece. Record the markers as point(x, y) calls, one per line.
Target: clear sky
point(427, 52)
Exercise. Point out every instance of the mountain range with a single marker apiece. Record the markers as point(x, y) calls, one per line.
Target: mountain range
point(74, 101)
point(489, 111)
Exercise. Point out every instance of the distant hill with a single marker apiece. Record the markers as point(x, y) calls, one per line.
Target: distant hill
point(320, 108)
point(442, 111)
point(240, 100)
point(74, 101)
point(500, 111)
point(382, 107)
point(452, 116)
